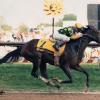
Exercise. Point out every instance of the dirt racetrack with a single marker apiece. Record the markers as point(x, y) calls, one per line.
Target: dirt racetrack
point(50, 96)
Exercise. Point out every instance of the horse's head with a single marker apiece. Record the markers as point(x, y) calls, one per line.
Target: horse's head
point(92, 33)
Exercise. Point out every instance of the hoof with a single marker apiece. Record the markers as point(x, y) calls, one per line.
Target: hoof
point(58, 86)
point(2, 92)
point(56, 80)
point(34, 75)
point(86, 90)
point(54, 84)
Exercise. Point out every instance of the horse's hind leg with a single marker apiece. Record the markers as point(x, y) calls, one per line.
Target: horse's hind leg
point(36, 63)
point(67, 72)
point(35, 58)
point(44, 76)
point(43, 70)
point(36, 66)
point(34, 71)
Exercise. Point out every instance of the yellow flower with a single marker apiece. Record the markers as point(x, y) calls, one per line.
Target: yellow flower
point(53, 7)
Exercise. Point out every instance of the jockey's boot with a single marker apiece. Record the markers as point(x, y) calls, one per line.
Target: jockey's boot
point(58, 44)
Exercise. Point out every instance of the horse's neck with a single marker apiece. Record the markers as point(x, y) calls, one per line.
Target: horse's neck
point(83, 44)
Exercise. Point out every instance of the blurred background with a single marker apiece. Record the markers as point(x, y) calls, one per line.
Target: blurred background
point(23, 20)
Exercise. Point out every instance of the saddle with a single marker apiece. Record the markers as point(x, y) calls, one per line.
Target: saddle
point(47, 45)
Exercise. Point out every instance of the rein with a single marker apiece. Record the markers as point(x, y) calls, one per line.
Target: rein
point(88, 35)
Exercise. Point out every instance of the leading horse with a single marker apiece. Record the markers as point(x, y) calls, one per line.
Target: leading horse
point(70, 59)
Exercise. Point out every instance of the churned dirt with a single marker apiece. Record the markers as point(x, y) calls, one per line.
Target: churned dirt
point(50, 96)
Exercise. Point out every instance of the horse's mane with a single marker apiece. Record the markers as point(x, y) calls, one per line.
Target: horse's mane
point(89, 27)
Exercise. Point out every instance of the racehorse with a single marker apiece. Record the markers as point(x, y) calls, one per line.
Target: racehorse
point(70, 59)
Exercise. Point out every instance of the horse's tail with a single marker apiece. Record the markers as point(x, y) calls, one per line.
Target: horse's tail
point(12, 56)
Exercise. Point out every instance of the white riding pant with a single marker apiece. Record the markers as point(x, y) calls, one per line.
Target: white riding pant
point(58, 36)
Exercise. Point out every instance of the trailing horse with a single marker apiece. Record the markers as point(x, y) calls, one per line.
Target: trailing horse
point(70, 58)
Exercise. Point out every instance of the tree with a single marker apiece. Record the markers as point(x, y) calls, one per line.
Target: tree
point(2, 20)
point(44, 24)
point(6, 27)
point(23, 28)
point(59, 23)
point(70, 17)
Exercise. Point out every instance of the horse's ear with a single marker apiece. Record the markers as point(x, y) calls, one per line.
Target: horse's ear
point(88, 26)
point(84, 29)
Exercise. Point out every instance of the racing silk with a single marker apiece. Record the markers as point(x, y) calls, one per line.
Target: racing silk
point(58, 36)
point(67, 33)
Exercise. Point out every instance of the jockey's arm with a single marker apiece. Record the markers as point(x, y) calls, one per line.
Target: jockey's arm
point(76, 35)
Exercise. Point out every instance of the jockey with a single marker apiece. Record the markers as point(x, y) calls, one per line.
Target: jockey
point(66, 34)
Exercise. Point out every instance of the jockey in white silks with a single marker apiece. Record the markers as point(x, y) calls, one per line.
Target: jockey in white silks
point(65, 34)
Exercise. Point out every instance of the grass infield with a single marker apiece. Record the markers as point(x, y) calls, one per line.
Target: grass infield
point(17, 77)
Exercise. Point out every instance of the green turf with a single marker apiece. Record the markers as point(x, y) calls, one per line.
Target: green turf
point(18, 77)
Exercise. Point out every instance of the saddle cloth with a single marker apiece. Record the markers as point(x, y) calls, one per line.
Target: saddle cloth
point(44, 44)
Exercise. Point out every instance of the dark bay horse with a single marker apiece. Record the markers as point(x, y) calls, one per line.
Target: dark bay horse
point(70, 59)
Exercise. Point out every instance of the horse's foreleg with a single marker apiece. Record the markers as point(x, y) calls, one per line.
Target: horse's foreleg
point(67, 72)
point(80, 69)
